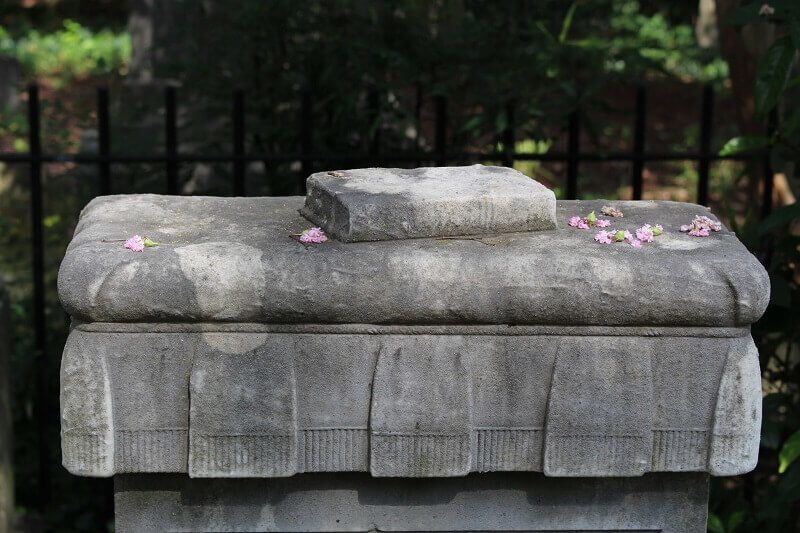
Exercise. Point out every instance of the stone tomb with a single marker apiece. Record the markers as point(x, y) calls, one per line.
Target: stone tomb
point(455, 358)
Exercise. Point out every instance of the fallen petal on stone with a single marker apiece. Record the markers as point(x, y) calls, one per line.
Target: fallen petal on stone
point(135, 243)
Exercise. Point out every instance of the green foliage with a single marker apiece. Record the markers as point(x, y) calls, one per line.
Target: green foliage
point(768, 499)
point(650, 39)
point(73, 52)
point(773, 73)
point(745, 144)
point(789, 452)
point(548, 56)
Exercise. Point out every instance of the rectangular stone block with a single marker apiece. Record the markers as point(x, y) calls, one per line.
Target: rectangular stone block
point(377, 204)
point(511, 501)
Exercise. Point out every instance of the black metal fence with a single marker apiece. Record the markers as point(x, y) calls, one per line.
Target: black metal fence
point(171, 158)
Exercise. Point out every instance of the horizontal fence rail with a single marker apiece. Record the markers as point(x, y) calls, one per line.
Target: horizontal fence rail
point(172, 158)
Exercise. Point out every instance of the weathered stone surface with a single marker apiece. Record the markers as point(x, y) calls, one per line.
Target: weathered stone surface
point(671, 503)
point(421, 408)
point(252, 400)
point(232, 260)
point(592, 387)
point(600, 411)
point(87, 417)
point(378, 204)
point(231, 350)
point(243, 416)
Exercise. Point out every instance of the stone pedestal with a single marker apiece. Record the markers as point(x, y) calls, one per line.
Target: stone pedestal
point(402, 375)
point(514, 501)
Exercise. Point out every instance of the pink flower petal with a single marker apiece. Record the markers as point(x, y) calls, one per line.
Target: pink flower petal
point(574, 221)
point(645, 233)
point(135, 243)
point(583, 224)
point(313, 235)
point(603, 237)
point(603, 223)
point(636, 243)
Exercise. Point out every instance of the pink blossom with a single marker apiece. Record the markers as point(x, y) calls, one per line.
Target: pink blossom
point(603, 223)
point(645, 233)
point(574, 221)
point(313, 235)
point(135, 243)
point(604, 237)
point(628, 236)
point(636, 243)
point(701, 226)
point(706, 222)
point(583, 224)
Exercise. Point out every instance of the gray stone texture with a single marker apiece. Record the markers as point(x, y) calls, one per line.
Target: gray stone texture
point(667, 502)
point(233, 260)
point(537, 380)
point(378, 204)
point(251, 400)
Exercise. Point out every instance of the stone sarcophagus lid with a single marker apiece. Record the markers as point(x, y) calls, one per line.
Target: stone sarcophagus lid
point(455, 357)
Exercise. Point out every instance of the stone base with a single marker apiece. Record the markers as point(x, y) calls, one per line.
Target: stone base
point(517, 501)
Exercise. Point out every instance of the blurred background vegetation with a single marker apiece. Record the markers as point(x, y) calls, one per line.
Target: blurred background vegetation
point(549, 57)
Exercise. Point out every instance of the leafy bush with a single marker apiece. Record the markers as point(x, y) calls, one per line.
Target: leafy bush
point(768, 499)
point(74, 52)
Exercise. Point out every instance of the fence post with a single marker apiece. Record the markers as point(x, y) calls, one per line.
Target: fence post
point(637, 178)
point(769, 174)
point(306, 138)
point(104, 140)
point(374, 109)
point(171, 140)
point(39, 324)
point(418, 120)
point(238, 143)
point(440, 106)
point(508, 136)
point(706, 125)
point(573, 154)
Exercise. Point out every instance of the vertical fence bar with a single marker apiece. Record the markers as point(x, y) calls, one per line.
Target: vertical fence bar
point(573, 154)
point(238, 143)
point(374, 109)
point(418, 120)
point(637, 178)
point(508, 136)
point(39, 324)
point(306, 138)
point(171, 138)
point(440, 145)
point(706, 125)
point(769, 174)
point(104, 140)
